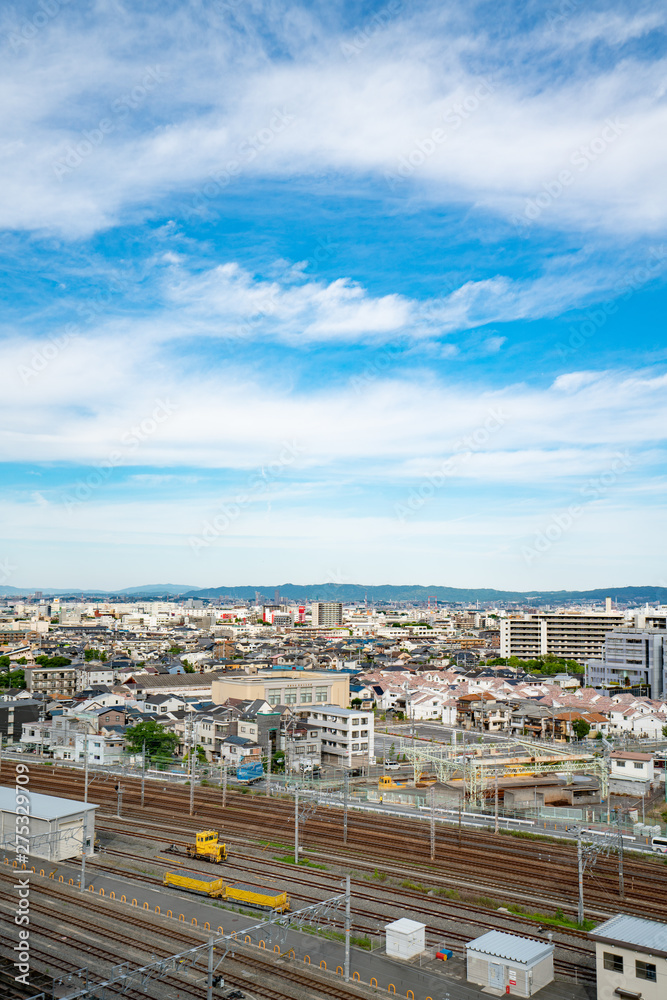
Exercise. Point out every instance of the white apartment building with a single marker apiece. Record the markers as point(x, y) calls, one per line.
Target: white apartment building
point(570, 636)
point(327, 614)
point(348, 736)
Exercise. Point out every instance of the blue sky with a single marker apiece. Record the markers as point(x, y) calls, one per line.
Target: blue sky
point(360, 293)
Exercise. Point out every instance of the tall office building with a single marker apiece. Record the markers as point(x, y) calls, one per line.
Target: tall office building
point(633, 658)
point(327, 613)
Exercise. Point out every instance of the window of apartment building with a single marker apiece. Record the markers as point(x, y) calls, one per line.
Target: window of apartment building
point(290, 697)
point(620, 763)
point(321, 694)
point(355, 722)
point(273, 697)
point(355, 746)
point(364, 746)
point(638, 764)
point(364, 732)
point(306, 696)
point(613, 963)
point(645, 970)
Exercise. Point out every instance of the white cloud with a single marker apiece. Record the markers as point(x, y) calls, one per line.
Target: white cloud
point(220, 106)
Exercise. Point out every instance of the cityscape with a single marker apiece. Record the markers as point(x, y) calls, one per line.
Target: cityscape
point(345, 321)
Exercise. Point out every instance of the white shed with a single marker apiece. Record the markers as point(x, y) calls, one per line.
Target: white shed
point(47, 826)
point(405, 938)
point(509, 963)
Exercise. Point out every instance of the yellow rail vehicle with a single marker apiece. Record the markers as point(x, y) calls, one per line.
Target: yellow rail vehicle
point(207, 847)
point(388, 782)
point(239, 892)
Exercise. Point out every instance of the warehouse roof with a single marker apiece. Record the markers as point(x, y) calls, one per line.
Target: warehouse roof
point(634, 932)
point(42, 806)
point(523, 951)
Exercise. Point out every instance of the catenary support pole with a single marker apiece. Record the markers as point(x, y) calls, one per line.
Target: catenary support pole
point(496, 804)
point(345, 789)
point(209, 977)
point(347, 928)
point(85, 768)
point(296, 826)
point(580, 864)
point(143, 773)
point(268, 767)
point(224, 786)
point(82, 880)
point(432, 797)
point(621, 884)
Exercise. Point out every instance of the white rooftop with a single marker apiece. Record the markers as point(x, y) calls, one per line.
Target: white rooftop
point(405, 926)
point(42, 806)
point(523, 951)
point(647, 935)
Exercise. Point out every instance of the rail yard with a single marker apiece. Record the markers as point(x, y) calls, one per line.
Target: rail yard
point(476, 881)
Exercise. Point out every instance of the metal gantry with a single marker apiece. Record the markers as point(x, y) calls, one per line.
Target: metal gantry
point(477, 772)
point(124, 978)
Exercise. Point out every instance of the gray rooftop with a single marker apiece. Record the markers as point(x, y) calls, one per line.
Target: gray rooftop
point(644, 935)
point(523, 951)
point(43, 806)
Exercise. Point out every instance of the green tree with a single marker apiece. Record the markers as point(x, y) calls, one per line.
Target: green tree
point(94, 654)
point(159, 742)
point(189, 669)
point(12, 679)
point(581, 728)
point(664, 731)
point(175, 650)
point(278, 762)
point(53, 661)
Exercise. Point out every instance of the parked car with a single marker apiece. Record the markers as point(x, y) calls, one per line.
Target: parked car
point(392, 765)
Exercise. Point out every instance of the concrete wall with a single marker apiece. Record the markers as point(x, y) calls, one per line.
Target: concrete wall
point(608, 981)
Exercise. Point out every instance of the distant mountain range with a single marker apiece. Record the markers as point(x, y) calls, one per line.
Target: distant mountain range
point(349, 592)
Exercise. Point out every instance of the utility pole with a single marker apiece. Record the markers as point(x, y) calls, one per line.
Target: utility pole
point(119, 789)
point(296, 825)
point(85, 767)
point(580, 864)
point(347, 928)
point(82, 880)
point(621, 884)
point(345, 790)
point(268, 766)
point(496, 804)
point(459, 822)
point(143, 772)
point(209, 977)
point(224, 784)
point(432, 797)
point(193, 766)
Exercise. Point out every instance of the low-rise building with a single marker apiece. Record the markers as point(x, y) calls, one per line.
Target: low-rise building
point(347, 735)
point(631, 773)
point(631, 958)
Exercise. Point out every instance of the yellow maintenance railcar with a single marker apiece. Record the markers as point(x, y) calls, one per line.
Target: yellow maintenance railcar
point(207, 847)
point(239, 892)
